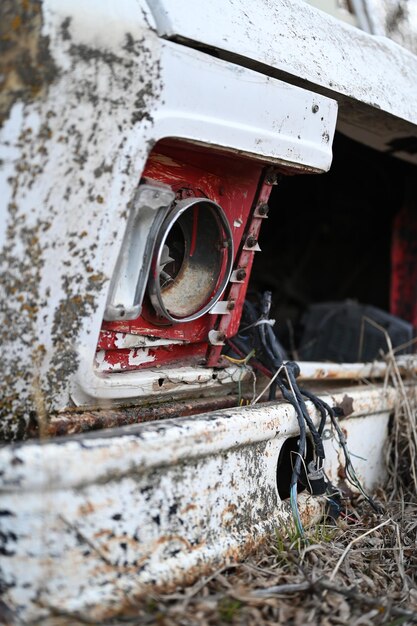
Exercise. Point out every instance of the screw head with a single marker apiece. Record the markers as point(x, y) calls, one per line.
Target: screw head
point(251, 241)
point(231, 305)
point(263, 209)
point(241, 274)
point(315, 108)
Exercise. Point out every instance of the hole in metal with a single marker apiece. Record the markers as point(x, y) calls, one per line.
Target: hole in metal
point(286, 460)
point(192, 260)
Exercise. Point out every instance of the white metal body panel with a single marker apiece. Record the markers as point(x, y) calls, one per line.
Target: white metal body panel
point(72, 159)
point(296, 38)
point(373, 78)
point(89, 388)
point(92, 522)
point(394, 19)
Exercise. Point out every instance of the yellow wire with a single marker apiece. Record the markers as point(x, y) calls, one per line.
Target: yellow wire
point(240, 361)
point(237, 361)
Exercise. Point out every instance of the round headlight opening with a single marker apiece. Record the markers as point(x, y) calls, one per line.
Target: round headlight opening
point(192, 261)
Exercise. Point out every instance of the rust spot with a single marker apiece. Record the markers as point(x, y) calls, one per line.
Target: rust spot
point(86, 509)
point(312, 509)
point(341, 472)
point(171, 538)
point(346, 405)
point(228, 514)
point(189, 507)
point(102, 533)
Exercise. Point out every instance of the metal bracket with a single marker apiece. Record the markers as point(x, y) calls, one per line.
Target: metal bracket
point(254, 248)
point(223, 307)
point(216, 338)
point(238, 276)
point(261, 211)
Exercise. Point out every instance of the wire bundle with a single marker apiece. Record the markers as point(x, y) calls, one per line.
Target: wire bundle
point(256, 334)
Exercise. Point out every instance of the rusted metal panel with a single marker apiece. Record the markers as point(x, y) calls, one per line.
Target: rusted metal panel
point(72, 422)
point(90, 521)
point(79, 420)
point(309, 370)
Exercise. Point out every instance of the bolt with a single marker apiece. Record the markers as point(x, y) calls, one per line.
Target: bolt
point(263, 209)
point(251, 241)
point(241, 274)
point(315, 108)
point(231, 305)
point(220, 336)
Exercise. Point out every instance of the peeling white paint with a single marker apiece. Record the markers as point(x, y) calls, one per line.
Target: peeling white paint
point(140, 356)
point(126, 340)
point(90, 387)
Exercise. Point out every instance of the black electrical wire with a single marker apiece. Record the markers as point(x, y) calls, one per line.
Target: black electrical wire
point(293, 371)
point(351, 476)
point(290, 392)
point(349, 469)
point(319, 406)
point(274, 361)
point(258, 331)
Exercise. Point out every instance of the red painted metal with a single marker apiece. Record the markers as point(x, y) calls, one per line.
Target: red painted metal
point(229, 324)
point(404, 266)
point(124, 359)
point(232, 182)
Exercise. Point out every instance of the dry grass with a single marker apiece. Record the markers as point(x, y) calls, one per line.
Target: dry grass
point(374, 582)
